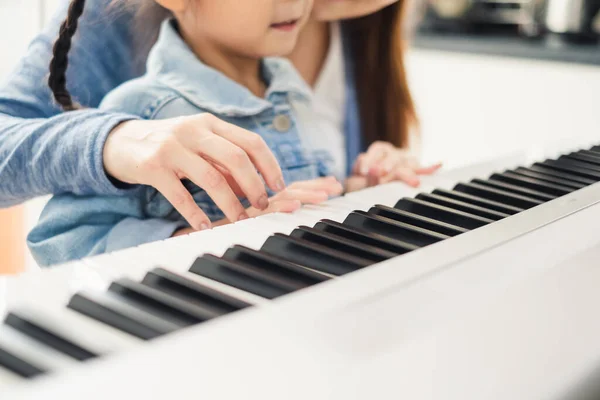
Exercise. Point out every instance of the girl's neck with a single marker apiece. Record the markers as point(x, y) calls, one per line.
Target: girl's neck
point(310, 52)
point(241, 69)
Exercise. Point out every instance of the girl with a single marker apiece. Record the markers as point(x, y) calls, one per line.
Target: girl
point(57, 234)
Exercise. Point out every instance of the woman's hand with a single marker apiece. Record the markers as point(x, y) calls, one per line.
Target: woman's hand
point(383, 163)
point(219, 157)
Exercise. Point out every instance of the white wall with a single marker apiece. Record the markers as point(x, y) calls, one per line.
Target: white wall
point(477, 107)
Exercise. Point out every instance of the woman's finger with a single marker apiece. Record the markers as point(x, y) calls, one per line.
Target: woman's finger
point(171, 187)
point(212, 181)
point(256, 148)
point(230, 180)
point(234, 159)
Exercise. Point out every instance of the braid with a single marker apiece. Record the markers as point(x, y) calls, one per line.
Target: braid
point(59, 63)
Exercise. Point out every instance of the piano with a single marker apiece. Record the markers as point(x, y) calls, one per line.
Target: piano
point(481, 284)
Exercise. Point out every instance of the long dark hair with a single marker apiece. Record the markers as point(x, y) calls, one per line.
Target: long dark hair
point(148, 16)
point(386, 105)
point(57, 81)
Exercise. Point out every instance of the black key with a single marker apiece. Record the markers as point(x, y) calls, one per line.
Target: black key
point(563, 174)
point(18, 366)
point(162, 304)
point(383, 242)
point(409, 234)
point(570, 168)
point(578, 161)
point(191, 291)
point(342, 244)
point(496, 195)
point(275, 265)
point(462, 206)
point(417, 220)
point(550, 178)
point(312, 255)
point(116, 312)
point(535, 194)
point(479, 201)
point(261, 274)
point(595, 154)
point(595, 149)
point(441, 213)
point(587, 156)
point(234, 274)
point(42, 334)
point(532, 183)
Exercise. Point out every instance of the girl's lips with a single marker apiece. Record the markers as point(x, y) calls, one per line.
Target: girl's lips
point(286, 26)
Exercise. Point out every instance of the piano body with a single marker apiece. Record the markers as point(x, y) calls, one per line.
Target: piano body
point(481, 284)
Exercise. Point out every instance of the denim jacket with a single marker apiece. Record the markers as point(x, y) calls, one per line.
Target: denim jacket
point(177, 84)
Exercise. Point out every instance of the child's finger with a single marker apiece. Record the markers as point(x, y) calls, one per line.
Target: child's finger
point(303, 195)
point(402, 174)
point(275, 206)
point(429, 170)
point(328, 184)
point(285, 206)
point(387, 165)
point(374, 154)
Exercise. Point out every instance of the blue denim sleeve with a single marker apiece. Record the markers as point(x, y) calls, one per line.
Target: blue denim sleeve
point(45, 151)
point(73, 227)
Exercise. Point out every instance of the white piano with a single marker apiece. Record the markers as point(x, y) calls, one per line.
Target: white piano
point(484, 283)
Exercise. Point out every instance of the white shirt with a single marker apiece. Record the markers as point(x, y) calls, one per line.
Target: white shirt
point(322, 121)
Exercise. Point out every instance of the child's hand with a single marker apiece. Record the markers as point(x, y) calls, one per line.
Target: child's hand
point(383, 163)
point(304, 192)
point(291, 199)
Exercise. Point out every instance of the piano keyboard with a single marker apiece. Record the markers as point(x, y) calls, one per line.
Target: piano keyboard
point(99, 308)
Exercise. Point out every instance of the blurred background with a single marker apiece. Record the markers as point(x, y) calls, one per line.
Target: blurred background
point(489, 77)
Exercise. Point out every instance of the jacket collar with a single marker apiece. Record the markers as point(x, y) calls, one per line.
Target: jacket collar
point(173, 63)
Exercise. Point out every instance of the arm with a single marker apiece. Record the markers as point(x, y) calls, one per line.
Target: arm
point(73, 227)
point(44, 151)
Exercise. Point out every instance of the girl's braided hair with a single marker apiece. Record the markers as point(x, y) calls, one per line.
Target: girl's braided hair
point(148, 16)
point(60, 60)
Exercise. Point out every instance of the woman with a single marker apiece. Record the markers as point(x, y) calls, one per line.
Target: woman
point(93, 152)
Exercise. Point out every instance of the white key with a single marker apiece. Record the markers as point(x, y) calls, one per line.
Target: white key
point(8, 378)
point(387, 194)
point(80, 329)
point(34, 352)
point(51, 286)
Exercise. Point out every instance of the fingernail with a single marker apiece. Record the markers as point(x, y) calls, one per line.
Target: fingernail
point(280, 185)
point(263, 202)
point(243, 216)
point(204, 226)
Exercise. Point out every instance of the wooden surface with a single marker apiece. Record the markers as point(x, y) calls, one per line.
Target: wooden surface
point(12, 240)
